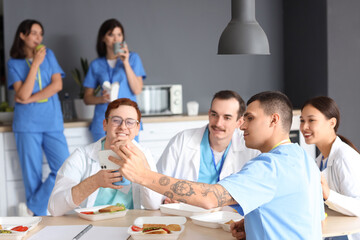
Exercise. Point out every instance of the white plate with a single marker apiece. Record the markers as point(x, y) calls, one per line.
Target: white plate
point(212, 220)
point(8, 223)
point(225, 226)
point(183, 209)
point(157, 220)
point(98, 216)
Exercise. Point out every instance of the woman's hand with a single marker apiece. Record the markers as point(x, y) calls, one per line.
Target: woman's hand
point(39, 56)
point(238, 230)
point(124, 56)
point(325, 187)
point(105, 96)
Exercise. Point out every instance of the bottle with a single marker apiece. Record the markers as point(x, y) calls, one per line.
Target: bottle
point(67, 108)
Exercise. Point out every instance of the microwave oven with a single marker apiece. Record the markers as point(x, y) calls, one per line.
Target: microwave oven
point(160, 100)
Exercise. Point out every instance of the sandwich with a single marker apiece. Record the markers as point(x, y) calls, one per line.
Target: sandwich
point(112, 209)
point(156, 230)
point(160, 228)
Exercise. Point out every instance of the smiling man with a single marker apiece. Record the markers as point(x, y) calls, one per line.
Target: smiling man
point(210, 153)
point(81, 182)
point(278, 192)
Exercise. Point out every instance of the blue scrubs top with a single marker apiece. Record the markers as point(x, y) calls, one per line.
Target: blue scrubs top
point(209, 171)
point(100, 71)
point(280, 194)
point(36, 117)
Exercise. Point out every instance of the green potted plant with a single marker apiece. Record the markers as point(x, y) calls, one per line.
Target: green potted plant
point(82, 110)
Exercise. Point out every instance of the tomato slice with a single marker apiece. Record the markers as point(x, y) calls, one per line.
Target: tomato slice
point(88, 212)
point(136, 228)
point(20, 228)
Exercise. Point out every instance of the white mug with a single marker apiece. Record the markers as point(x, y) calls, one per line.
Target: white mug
point(192, 108)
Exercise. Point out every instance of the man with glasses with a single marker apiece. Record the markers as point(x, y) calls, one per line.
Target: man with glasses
point(81, 182)
point(210, 153)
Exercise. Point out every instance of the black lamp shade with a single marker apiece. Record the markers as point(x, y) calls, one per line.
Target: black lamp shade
point(243, 34)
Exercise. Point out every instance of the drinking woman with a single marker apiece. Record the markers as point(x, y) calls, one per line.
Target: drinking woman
point(119, 66)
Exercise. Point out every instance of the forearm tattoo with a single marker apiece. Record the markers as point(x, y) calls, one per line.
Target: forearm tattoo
point(222, 195)
point(185, 188)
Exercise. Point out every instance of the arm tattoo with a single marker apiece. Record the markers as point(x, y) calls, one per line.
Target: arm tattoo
point(222, 195)
point(169, 194)
point(164, 181)
point(182, 188)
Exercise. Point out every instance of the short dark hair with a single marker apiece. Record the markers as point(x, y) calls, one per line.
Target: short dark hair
point(228, 94)
point(275, 102)
point(17, 48)
point(108, 25)
point(122, 101)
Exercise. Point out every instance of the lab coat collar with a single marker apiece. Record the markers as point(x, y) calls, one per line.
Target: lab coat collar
point(335, 146)
point(93, 150)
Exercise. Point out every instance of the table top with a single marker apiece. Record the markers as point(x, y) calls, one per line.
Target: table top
point(336, 224)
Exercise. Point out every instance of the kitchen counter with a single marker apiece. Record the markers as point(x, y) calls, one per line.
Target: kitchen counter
point(153, 119)
point(86, 123)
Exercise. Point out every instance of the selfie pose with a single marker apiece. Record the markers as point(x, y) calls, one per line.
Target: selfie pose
point(82, 182)
point(36, 77)
point(117, 67)
point(339, 160)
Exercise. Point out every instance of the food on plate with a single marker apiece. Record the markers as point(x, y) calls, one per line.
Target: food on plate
point(88, 212)
point(230, 222)
point(145, 225)
point(156, 230)
point(112, 209)
point(5, 231)
point(20, 228)
point(136, 228)
point(173, 227)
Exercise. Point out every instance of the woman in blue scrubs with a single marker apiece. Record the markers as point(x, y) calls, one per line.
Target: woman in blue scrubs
point(123, 67)
point(36, 77)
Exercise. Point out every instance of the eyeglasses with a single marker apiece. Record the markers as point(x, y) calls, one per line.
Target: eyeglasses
point(117, 121)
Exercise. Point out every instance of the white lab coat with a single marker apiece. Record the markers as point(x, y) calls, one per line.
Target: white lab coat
point(343, 176)
point(83, 163)
point(181, 157)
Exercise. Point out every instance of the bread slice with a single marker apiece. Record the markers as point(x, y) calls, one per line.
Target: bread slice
point(173, 227)
point(146, 225)
point(111, 209)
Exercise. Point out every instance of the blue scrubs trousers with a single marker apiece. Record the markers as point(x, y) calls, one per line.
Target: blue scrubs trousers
point(30, 148)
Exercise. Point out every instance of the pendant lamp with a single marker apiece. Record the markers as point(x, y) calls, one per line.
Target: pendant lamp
point(243, 34)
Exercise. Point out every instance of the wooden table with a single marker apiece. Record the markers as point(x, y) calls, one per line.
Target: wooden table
point(335, 225)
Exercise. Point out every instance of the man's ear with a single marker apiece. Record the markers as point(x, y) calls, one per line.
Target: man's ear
point(275, 119)
point(240, 121)
point(104, 124)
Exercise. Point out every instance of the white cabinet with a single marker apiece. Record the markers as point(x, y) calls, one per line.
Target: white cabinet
point(13, 191)
point(155, 136)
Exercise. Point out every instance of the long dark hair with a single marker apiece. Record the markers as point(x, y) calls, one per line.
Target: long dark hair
point(108, 25)
point(330, 109)
point(17, 49)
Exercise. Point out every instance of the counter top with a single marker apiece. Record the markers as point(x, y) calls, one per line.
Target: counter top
point(154, 119)
point(86, 122)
